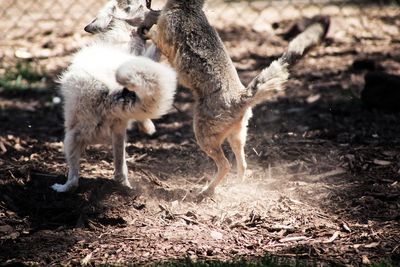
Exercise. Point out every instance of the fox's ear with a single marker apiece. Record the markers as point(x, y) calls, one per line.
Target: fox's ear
point(102, 20)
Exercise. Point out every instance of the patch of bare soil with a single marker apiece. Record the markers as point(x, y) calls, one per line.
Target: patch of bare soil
point(323, 181)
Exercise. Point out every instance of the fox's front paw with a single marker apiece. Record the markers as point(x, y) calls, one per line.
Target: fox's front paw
point(152, 33)
point(146, 33)
point(142, 32)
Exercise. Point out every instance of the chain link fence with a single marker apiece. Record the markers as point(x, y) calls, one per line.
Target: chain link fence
point(54, 28)
point(24, 18)
point(28, 17)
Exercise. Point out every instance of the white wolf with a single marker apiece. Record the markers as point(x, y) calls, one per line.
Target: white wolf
point(106, 86)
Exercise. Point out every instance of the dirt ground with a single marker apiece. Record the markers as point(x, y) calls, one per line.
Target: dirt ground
point(323, 183)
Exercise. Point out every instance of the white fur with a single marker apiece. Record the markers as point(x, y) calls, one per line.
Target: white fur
point(156, 75)
point(96, 107)
point(101, 61)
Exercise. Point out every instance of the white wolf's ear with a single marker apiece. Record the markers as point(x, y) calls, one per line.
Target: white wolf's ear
point(103, 18)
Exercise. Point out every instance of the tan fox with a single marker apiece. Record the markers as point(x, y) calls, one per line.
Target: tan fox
point(222, 104)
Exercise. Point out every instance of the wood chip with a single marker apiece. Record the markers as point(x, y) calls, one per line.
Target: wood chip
point(2, 148)
point(333, 237)
point(346, 227)
point(293, 239)
point(372, 245)
point(86, 259)
point(188, 220)
point(278, 227)
point(313, 98)
point(381, 162)
point(365, 260)
point(23, 54)
point(237, 224)
point(216, 235)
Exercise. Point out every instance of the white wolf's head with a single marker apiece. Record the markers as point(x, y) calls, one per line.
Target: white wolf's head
point(133, 11)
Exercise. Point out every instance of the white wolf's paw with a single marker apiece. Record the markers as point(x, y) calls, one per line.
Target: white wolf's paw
point(61, 188)
point(147, 127)
point(126, 183)
point(123, 180)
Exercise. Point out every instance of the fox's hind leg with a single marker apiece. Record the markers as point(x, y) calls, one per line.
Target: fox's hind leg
point(237, 141)
point(215, 152)
point(211, 143)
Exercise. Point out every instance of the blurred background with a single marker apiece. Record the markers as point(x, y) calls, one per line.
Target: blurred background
point(46, 31)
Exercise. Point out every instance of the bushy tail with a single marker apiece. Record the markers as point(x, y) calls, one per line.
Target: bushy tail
point(273, 78)
point(153, 85)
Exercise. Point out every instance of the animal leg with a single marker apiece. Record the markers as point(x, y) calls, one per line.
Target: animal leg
point(214, 151)
point(152, 34)
point(153, 53)
point(73, 148)
point(120, 168)
point(237, 141)
point(149, 20)
point(147, 127)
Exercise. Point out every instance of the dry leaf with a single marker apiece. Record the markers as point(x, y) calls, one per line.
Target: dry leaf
point(333, 237)
point(346, 227)
point(313, 98)
point(292, 239)
point(365, 260)
point(23, 54)
point(382, 162)
point(3, 148)
point(372, 245)
point(86, 259)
